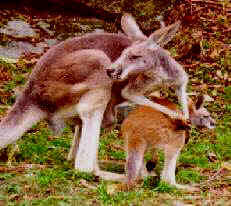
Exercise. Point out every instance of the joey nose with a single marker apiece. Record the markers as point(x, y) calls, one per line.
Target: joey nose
point(213, 124)
point(119, 72)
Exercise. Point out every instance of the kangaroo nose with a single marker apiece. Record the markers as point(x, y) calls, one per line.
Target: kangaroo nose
point(109, 72)
point(114, 73)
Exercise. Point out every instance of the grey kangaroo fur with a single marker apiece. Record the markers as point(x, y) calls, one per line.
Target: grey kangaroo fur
point(146, 127)
point(70, 79)
point(66, 81)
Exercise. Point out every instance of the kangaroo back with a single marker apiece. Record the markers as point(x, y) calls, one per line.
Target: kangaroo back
point(111, 44)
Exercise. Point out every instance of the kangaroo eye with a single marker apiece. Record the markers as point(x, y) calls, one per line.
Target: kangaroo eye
point(134, 57)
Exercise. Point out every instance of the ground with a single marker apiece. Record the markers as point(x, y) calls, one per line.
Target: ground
point(35, 170)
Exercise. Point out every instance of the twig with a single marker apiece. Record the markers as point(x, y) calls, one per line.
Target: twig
point(206, 19)
point(117, 146)
point(21, 168)
point(87, 185)
point(209, 2)
point(112, 162)
point(190, 65)
point(214, 176)
point(60, 197)
point(112, 4)
point(5, 106)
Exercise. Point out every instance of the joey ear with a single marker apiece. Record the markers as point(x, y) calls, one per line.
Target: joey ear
point(131, 28)
point(200, 101)
point(164, 35)
point(191, 106)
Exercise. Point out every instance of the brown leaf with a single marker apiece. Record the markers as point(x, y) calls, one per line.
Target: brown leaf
point(112, 188)
point(226, 165)
point(86, 184)
point(212, 157)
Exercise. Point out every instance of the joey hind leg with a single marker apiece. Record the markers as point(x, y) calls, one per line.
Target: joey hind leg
point(170, 158)
point(168, 173)
point(134, 164)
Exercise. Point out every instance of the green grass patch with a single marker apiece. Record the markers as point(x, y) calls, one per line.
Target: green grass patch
point(187, 176)
point(164, 187)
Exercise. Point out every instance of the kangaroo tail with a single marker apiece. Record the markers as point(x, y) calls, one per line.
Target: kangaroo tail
point(22, 117)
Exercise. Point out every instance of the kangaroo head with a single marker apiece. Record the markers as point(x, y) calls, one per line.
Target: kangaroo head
point(145, 53)
point(199, 115)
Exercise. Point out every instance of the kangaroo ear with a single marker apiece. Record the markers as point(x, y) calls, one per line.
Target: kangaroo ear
point(200, 101)
point(131, 28)
point(164, 35)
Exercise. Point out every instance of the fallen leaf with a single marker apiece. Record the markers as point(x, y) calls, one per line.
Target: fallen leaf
point(215, 53)
point(179, 203)
point(219, 74)
point(8, 60)
point(112, 188)
point(226, 165)
point(155, 94)
point(197, 34)
point(86, 184)
point(2, 202)
point(207, 98)
point(212, 157)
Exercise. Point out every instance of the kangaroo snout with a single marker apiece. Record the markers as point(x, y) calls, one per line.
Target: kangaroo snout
point(114, 73)
point(110, 72)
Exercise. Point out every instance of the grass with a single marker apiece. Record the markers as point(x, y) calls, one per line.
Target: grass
point(59, 184)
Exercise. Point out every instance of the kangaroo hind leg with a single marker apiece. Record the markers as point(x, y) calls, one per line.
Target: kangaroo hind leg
point(74, 144)
point(91, 109)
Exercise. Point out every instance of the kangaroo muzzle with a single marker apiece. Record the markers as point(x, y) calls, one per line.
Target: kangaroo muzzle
point(114, 73)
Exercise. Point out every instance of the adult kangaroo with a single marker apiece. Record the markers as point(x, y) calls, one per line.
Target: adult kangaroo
point(46, 93)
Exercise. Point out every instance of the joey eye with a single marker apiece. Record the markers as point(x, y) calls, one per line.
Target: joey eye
point(134, 57)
